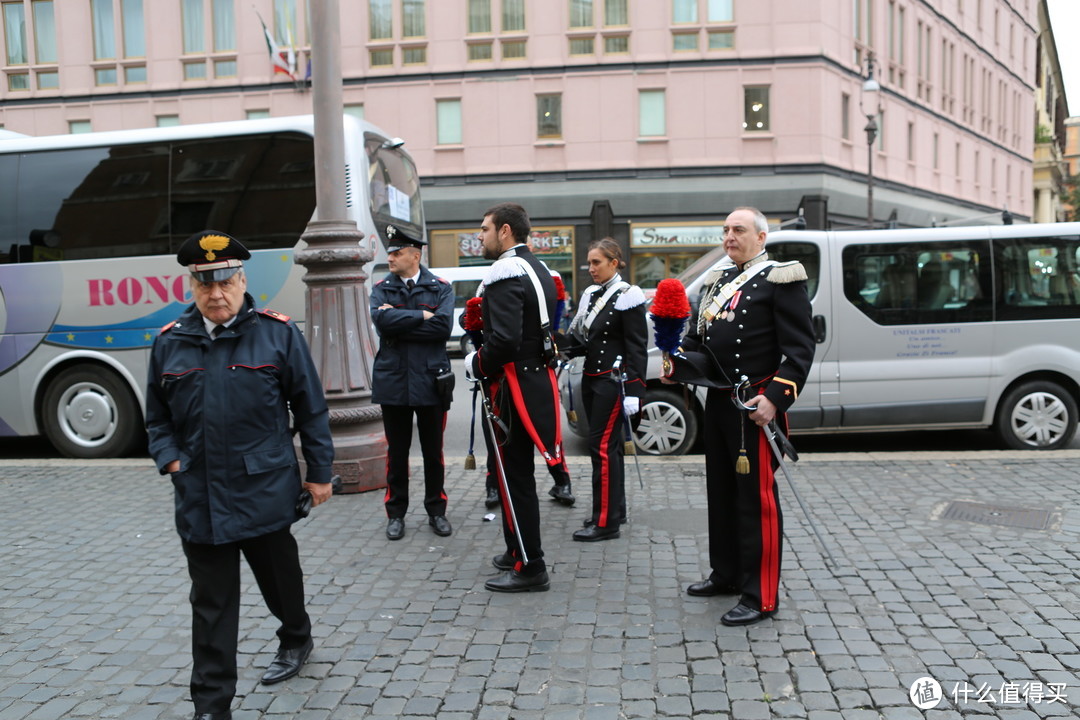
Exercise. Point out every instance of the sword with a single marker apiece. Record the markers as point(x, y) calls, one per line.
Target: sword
point(492, 420)
point(629, 446)
point(771, 432)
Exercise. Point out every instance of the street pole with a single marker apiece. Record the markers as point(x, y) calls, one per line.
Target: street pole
point(337, 321)
point(871, 135)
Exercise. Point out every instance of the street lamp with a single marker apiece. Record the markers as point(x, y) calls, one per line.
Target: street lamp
point(870, 92)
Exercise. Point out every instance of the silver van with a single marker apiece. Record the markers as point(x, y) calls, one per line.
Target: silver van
point(967, 327)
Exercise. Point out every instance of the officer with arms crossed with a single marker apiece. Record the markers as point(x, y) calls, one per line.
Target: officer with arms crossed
point(412, 310)
point(754, 320)
point(221, 383)
point(514, 365)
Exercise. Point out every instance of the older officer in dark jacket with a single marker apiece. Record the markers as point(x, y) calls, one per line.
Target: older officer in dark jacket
point(221, 383)
point(754, 319)
point(412, 311)
point(514, 364)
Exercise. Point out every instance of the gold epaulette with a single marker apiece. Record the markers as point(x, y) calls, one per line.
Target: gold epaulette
point(787, 272)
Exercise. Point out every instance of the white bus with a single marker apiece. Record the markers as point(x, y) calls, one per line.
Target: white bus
point(89, 228)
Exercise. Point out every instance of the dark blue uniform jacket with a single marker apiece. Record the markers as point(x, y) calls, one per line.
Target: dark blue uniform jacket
point(222, 408)
point(412, 350)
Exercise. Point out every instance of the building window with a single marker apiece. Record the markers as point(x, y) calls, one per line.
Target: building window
point(756, 109)
point(285, 22)
point(682, 42)
point(132, 37)
point(582, 46)
point(937, 162)
point(845, 116)
point(195, 70)
point(479, 16)
point(15, 34)
point(896, 44)
point(513, 15)
point(356, 110)
point(414, 55)
point(924, 88)
point(257, 114)
point(863, 27)
point(581, 13)
point(616, 13)
point(382, 57)
point(448, 121)
point(721, 11)
point(380, 21)
point(721, 40)
point(480, 50)
point(616, 44)
point(48, 80)
point(684, 11)
point(513, 49)
point(549, 116)
point(224, 68)
point(18, 81)
point(168, 120)
point(216, 20)
point(652, 113)
point(44, 32)
point(911, 142)
point(79, 126)
point(412, 18)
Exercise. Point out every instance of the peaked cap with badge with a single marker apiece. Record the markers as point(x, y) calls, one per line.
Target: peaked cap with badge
point(398, 239)
point(212, 256)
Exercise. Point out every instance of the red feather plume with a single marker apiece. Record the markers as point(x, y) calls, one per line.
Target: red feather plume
point(474, 321)
point(670, 300)
point(560, 288)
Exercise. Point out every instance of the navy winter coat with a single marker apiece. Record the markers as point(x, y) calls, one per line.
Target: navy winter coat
point(221, 407)
point(412, 350)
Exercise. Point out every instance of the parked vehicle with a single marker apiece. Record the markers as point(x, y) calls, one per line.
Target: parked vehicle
point(465, 281)
point(967, 327)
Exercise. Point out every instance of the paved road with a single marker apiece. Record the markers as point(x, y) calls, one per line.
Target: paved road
point(94, 617)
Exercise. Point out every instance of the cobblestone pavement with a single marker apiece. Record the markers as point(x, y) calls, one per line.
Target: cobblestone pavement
point(94, 615)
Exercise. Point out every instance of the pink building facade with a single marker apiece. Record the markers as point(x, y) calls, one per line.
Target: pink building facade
point(644, 119)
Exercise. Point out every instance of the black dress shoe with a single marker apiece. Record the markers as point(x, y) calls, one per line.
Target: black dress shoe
point(395, 529)
point(594, 533)
point(708, 588)
point(562, 494)
point(227, 715)
point(505, 561)
point(512, 581)
point(440, 525)
point(492, 500)
point(589, 522)
point(745, 615)
point(287, 663)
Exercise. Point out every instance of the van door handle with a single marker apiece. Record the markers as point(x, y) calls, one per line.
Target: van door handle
point(819, 329)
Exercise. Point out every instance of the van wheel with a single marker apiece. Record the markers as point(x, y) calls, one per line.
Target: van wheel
point(668, 426)
point(89, 412)
point(1037, 415)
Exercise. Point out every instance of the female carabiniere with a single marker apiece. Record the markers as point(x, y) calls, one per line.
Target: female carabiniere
point(610, 331)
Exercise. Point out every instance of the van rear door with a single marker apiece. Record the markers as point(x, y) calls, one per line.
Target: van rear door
point(915, 332)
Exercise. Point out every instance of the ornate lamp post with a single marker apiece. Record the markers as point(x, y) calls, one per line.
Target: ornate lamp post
point(338, 325)
point(870, 92)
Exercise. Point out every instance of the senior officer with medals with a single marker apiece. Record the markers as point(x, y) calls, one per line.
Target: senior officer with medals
point(412, 310)
point(754, 319)
point(610, 330)
point(221, 384)
point(514, 365)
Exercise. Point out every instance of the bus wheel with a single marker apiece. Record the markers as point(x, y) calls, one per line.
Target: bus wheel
point(668, 426)
point(1037, 415)
point(89, 412)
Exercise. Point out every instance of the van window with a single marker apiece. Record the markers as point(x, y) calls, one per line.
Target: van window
point(463, 290)
point(1038, 278)
point(939, 282)
point(807, 253)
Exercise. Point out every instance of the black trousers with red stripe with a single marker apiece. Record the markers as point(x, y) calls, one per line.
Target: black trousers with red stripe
point(602, 399)
point(398, 425)
point(745, 522)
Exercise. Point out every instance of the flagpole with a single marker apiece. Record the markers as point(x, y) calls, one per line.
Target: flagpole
point(337, 321)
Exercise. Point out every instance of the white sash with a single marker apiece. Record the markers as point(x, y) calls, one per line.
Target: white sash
point(725, 293)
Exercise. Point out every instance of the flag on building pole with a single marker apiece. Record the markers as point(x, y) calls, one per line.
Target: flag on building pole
point(282, 59)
